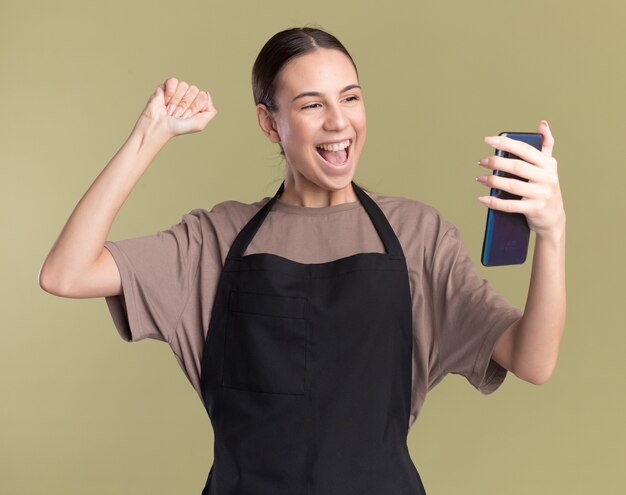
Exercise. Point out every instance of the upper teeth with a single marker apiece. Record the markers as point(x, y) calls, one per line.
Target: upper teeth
point(335, 146)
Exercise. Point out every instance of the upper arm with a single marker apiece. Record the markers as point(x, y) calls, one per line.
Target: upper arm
point(503, 351)
point(471, 317)
point(100, 279)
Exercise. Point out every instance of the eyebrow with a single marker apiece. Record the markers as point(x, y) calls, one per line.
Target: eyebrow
point(317, 93)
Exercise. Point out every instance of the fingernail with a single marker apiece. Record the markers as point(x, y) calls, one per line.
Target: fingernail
point(178, 112)
point(545, 122)
point(482, 162)
point(484, 200)
point(170, 109)
point(186, 114)
point(492, 140)
point(482, 179)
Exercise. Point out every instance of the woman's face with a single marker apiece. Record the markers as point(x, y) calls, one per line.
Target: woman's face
point(320, 121)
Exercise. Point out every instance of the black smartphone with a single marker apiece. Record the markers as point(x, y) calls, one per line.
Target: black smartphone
point(507, 234)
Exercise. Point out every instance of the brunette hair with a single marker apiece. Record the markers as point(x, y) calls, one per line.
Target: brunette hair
point(280, 49)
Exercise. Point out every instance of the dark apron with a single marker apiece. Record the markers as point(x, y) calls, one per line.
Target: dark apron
point(306, 371)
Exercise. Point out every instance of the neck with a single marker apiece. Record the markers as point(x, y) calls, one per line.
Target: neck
point(300, 192)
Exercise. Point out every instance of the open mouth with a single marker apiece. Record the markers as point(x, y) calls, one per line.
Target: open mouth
point(336, 154)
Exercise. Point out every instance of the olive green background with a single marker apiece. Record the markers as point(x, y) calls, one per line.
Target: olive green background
point(83, 412)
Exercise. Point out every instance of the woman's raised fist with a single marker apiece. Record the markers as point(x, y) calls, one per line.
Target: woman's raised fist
point(179, 107)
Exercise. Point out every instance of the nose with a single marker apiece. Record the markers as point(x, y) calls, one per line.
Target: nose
point(335, 119)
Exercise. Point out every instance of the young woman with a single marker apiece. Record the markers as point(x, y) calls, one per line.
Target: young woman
point(313, 323)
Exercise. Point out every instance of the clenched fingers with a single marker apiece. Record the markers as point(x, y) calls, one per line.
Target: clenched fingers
point(187, 99)
point(177, 97)
point(199, 104)
point(183, 100)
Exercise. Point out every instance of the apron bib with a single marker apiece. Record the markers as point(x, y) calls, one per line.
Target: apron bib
point(306, 371)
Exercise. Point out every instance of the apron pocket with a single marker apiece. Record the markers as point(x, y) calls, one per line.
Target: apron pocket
point(265, 343)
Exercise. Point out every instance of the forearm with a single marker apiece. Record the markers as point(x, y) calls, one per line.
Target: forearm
point(537, 337)
point(81, 240)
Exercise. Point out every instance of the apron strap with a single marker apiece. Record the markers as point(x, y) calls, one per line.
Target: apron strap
point(246, 234)
point(381, 224)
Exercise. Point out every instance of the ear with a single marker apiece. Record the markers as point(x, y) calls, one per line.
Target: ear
point(267, 123)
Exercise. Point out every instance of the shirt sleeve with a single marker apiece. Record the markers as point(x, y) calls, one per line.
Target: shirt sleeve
point(470, 316)
point(158, 272)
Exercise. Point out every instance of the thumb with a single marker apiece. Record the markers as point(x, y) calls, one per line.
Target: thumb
point(158, 97)
point(160, 94)
point(548, 139)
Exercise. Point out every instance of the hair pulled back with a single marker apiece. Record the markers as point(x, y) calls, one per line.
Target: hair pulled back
point(280, 49)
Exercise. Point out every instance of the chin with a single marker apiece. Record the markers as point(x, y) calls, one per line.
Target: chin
point(332, 182)
point(318, 174)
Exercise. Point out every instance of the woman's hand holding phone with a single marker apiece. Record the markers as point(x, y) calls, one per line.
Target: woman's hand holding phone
point(529, 347)
point(541, 201)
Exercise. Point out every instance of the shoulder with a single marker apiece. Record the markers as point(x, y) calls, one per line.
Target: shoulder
point(407, 215)
point(223, 219)
point(427, 238)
